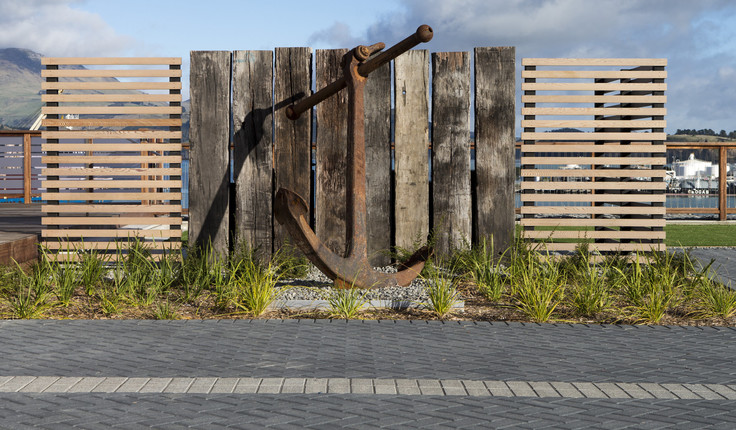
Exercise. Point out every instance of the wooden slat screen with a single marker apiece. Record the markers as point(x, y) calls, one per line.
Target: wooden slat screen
point(593, 153)
point(112, 154)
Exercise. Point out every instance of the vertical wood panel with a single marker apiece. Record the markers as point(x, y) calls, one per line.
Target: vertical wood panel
point(253, 148)
point(292, 151)
point(411, 148)
point(332, 134)
point(494, 143)
point(209, 136)
point(451, 201)
point(27, 174)
point(378, 164)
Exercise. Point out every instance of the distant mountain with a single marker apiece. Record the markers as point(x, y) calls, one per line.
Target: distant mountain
point(20, 90)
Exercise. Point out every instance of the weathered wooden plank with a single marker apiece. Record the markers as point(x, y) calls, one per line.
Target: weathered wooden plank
point(292, 151)
point(253, 149)
point(451, 198)
point(209, 158)
point(411, 145)
point(494, 144)
point(331, 156)
point(377, 99)
point(619, 62)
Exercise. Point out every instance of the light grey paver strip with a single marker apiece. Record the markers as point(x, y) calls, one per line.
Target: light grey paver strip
point(39, 384)
point(680, 391)
point(62, 384)
point(566, 389)
point(361, 386)
point(132, 385)
point(247, 385)
point(16, 384)
point(293, 385)
point(521, 389)
point(202, 385)
point(453, 387)
point(544, 389)
point(635, 391)
point(498, 388)
point(723, 390)
point(86, 385)
point(589, 390)
point(338, 386)
point(384, 386)
point(179, 385)
point(4, 379)
point(270, 385)
point(430, 387)
point(224, 385)
point(658, 391)
point(155, 385)
point(109, 385)
point(703, 391)
point(476, 388)
point(408, 387)
point(612, 390)
point(315, 386)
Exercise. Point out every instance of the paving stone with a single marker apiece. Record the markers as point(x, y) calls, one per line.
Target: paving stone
point(659, 391)
point(154, 385)
point(384, 386)
point(293, 385)
point(179, 385)
point(612, 390)
point(16, 383)
point(62, 384)
point(498, 388)
point(476, 388)
point(635, 391)
point(521, 389)
point(338, 386)
point(429, 387)
point(270, 385)
point(589, 390)
point(703, 391)
point(315, 386)
point(109, 385)
point(544, 389)
point(133, 385)
point(723, 390)
point(224, 385)
point(566, 389)
point(202, 385)
point(86, 385)
point(361, 386)
point(407, 387)
point(680, 391)
point(39, 384)
point(453, 387)
point(247, 385)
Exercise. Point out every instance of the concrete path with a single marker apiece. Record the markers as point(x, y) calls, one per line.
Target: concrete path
point(363, 374)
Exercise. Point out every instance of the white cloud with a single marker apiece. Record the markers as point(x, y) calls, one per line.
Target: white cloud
point(56, 28)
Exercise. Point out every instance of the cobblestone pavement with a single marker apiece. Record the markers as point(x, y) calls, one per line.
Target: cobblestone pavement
point(372, 374)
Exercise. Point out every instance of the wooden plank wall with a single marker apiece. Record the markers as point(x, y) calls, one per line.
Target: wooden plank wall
point(398, 199)
point(113, 154)
point(605, 183)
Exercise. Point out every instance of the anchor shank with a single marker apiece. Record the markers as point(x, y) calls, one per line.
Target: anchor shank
point(356, 231)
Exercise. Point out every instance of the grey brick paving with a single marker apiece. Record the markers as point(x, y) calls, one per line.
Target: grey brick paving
point(724, 265)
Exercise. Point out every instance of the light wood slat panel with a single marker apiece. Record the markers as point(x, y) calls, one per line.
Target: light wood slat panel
point(597, 210)
point(592, 124)
point(117, 147)
point(97, 98)
point(632, 185)
point(111, 110)
point(595, 160)
point(640, 198)
point(110, 61)
point(594, 136)
point(594, 74)
point(643, 112)
point(624, 247)
point(111, 134)
point(124, 233)
point(112, 256)
point(110, 246)
point(111, 159)
point(594, 86)
point(105, 122)
point(112, 184)
point(588, 234)
point(588, 222)
point(110, 220)
point(109, 171)
point(109, 208)
point(110, 196)
point(106, 85)
point(648, 99)
point(619, 62)
point(599, 173)
point(607, 148)
point(109, 73)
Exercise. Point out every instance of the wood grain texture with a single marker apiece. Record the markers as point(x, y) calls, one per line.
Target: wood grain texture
point(494, 144)
point(209, 137)
point(331, 157)
point(411, 75)
point(253, 149)
point(292, 151)
point(451, 197)
point(111, 61)
point(377, 99)
point(618, 62)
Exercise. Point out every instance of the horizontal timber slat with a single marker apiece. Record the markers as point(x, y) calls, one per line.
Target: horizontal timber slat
point(592, 124)
point(637, 198)
point(599, 173)
point(597, 210)
point(109, 171)
point(109, 73)
point(124, 233)
point(553, 185)
point(591, 147)
point(585, 86)
point(111, 246)
point(593, 99)
point(116, 147)
point(108, 208)
point(105, 122)
point(622, 247)
point(97, 98)
point(111, 134)
point(111, 61)
point(110, 196)
point(593, 74)
point(111, 159)
point(589, 234)
point(619, 62)
point(111, 184)
point(640, 111)
point(111, 110)
point(595, 160)
point(106, 85)
point(588, 222)
point(594, 136)
point(110, 220)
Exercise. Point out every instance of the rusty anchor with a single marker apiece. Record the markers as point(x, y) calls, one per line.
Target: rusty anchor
point(352, 270)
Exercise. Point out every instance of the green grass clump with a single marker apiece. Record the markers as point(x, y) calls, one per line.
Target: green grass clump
point(346, 303)
point(441, 289)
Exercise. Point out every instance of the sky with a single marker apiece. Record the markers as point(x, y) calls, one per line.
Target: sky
point(696, 36)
